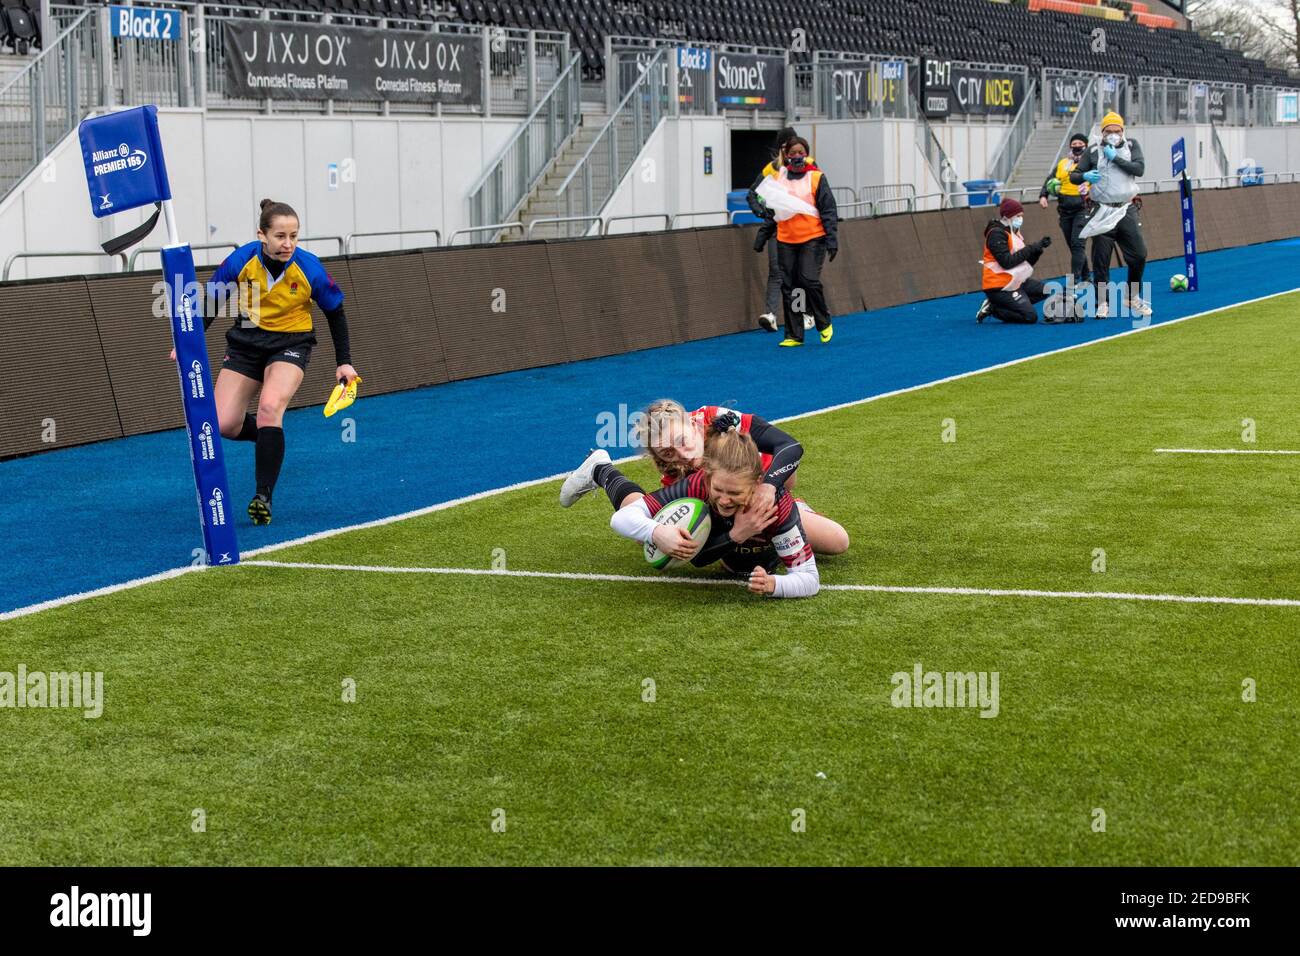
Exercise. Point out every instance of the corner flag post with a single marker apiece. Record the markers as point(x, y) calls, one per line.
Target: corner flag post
point(125, 169)
point(1179, 156)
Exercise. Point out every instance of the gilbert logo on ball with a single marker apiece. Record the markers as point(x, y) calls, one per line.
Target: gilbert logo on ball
point(691, 514)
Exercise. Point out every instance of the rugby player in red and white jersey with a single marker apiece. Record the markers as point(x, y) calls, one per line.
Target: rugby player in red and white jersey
point(674, 439)
point(731, 470)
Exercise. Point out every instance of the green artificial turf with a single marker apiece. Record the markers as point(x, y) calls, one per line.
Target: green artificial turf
point(223, 688)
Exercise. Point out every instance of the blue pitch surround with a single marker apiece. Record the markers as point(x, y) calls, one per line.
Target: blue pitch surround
point(83, 518)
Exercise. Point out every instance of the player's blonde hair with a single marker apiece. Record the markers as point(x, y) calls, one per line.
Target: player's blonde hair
point(654, 424)
point(733, 453)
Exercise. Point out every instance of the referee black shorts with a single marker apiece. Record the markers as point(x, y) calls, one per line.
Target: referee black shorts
point(250, 350)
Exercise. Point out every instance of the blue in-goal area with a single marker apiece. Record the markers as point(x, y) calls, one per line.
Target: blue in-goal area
point(82, 518)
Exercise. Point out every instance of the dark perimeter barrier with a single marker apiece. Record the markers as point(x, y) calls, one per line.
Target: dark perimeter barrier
point(85, 358)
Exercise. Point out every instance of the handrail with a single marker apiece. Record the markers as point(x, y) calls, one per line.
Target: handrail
point(870, 203)
point(552, 220)
point(4, 277)
point(613, 118)
point(672, 224)
point(1027, 109)
point(518, 134)
point(1089, 98)
point(668, 220)
point(451, 241)
point(130, 263)
point(47, 50)
point(347, 240)
point(338, 239)
point(1220, 154)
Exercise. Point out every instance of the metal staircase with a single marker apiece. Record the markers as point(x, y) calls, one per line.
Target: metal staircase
point(1039, 155)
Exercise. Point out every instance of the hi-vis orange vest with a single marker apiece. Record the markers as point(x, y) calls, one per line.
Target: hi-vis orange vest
point(996, 277)
point(801, 228)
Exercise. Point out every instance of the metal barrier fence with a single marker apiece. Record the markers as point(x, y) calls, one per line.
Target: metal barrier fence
point(505, 184)
point(697, 92)
point(347, 240)
point(851, 89)
point(516, 64)
point(46, 99)
point(593, 180)
point(1275, 106)
point(1171, 100)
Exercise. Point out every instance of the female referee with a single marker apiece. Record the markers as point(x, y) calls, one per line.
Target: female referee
point(746, 540)
point(674, 439)
point(273, 283)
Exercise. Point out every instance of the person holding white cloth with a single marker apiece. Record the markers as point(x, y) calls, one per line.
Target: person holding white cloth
point(1112, 168)
point(807, 233)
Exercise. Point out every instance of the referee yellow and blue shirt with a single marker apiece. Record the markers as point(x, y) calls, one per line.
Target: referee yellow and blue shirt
point(283, 303)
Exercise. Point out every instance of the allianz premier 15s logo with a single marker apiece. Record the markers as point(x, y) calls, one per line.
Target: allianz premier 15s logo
point(115, 160)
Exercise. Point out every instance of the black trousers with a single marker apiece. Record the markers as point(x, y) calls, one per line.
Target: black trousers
point(1017, 306)
point(1127, 234)
point(1072, 218)
point(801, 268)
point(773, 278)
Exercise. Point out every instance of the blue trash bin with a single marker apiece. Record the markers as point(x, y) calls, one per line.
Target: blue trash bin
point(736, 200)
point(982, 192)
point(1251, 175)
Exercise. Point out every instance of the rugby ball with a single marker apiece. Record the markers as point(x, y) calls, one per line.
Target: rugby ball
point(689, 513)
point(1178, 283)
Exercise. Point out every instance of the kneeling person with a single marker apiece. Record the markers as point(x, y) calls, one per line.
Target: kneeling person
point(1010, 290)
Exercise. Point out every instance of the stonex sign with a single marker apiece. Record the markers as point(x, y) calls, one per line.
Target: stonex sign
point(307, 62)
point(747, 81)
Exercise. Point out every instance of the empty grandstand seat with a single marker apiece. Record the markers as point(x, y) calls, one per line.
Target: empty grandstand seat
point(18, 29)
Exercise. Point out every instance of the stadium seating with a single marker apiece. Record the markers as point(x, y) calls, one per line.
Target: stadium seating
point(20, 30)
point(977, 30)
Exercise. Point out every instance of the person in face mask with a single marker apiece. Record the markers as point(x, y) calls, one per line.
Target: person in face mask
point(1112, 168)
point(767, 321)
point(1009, 289)
point(1070, 206)
point(807, 232)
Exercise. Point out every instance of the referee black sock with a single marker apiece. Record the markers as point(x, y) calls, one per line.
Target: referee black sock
point(249, 431)
point(615, 485)
point(268, 458)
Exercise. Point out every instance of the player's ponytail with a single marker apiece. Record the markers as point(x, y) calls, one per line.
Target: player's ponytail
point(272, 209)
point(733, 453)
point(653, 424)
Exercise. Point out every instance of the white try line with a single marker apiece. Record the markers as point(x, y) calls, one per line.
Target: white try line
point(1225, 451)
point(430, 509)
point(733, 582)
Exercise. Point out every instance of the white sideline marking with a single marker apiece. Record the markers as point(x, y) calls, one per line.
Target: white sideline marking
point(876, 588)
point(98, 592)
point(379, 522)
point(1225, 451)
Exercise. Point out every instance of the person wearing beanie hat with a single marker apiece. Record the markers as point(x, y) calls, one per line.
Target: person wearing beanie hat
point(1010, 291)
point(1112, 167)
point(1069, 205)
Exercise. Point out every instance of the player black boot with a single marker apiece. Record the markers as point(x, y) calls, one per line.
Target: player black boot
point(259, 509)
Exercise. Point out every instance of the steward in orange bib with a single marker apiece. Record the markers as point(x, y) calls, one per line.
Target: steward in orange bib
point(1010, 291)
point(805, 238)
